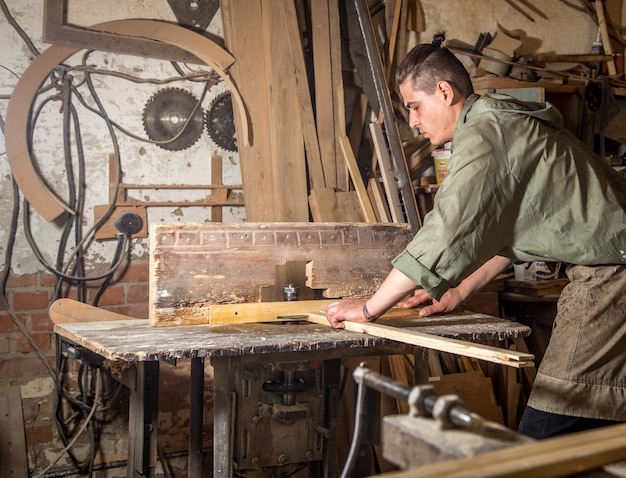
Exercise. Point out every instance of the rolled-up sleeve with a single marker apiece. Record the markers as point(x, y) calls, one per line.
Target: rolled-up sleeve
point(473, 216)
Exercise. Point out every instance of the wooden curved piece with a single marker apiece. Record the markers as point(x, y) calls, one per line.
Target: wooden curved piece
point(48, 204)
point(63, 311)
point(42, 199)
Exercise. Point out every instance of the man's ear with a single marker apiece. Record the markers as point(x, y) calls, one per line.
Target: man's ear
point(447, 91)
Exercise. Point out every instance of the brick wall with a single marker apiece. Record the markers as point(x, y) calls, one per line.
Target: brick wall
point(30, 296)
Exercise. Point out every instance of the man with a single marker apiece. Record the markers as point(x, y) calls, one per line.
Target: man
point(519, 187)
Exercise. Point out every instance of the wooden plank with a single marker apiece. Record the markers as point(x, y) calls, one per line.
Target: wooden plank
point(13, 459)
point(349, 207)
point(536, 288)
point(553, 457)
point(243, 36)
point(323, 205)
point(338, 100)
point(264, 311)
point(286, 136)
point(386, 170)
point(379, 203)
point(309, 130)
point(108, 230)
point(474, 389)
point(324, 109)
point(397, 36)
point(220, 195)
point(443, 344)
point(193, 266)
point(357, 180)
point(604, 34)
point(359, 112)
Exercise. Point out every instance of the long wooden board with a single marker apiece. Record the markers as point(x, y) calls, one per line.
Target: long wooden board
point(443, 344)
point(312, 311)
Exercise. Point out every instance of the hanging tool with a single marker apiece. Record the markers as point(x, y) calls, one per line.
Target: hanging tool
point(173, 118)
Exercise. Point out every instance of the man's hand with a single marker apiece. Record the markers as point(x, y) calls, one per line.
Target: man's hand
point(346, 309)
point(419, 297)
point(451, 300)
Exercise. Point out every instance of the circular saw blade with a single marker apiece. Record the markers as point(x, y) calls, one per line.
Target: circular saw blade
point(220, 123)
point(165, 115)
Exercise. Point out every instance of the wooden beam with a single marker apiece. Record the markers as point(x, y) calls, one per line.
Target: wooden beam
point(386, 171)
point(604, 33)
point(309, 130)
point(357, 180)
point(379, 203)
point(324, 108)
point(553, 457)
point(443, 344)
point(286, 136)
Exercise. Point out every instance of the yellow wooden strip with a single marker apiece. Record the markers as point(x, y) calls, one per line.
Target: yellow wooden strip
point(443, 344)
point(264, 311)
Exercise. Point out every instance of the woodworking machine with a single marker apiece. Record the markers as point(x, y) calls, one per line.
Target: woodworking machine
point(441, 437)
point(436, 427)
point(279, 414)
point(278, 417)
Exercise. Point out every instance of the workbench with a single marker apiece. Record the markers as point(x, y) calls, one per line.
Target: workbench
point(135, 348)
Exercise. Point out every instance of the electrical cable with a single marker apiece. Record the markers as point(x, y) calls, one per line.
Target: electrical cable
point(42, 260)
point(18, 28)
point(356, 435)
point(8, 257)
point(204, 76)
point(91, 382)
point(78, 434)
point(105, 283)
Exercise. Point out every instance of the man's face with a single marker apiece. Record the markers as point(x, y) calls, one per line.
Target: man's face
point(432, 114)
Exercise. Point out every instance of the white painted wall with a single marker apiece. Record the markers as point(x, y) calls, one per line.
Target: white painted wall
point(142, 162)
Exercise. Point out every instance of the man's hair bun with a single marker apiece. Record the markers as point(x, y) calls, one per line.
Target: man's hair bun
point(439, 38)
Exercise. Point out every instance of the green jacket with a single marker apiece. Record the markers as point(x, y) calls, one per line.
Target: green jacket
point(519, 185)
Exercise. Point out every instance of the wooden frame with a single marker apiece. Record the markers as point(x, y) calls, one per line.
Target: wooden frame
point(58, 32)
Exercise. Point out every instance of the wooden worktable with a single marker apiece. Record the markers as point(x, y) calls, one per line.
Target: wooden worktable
point(135, 341)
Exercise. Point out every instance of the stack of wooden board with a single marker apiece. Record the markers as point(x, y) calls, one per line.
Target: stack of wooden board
point(301, 160)
point(290, 145)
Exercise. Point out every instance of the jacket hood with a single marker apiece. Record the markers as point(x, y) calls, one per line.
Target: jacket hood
point(496, 102)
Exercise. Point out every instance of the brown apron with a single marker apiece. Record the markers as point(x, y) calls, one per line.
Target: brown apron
point(583, 372)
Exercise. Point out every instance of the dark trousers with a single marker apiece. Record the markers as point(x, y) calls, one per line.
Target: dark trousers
point(538, 424)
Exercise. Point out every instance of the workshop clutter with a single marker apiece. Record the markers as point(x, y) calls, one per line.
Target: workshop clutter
point(441, 156)
point(526, 271)
point(497, 57)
